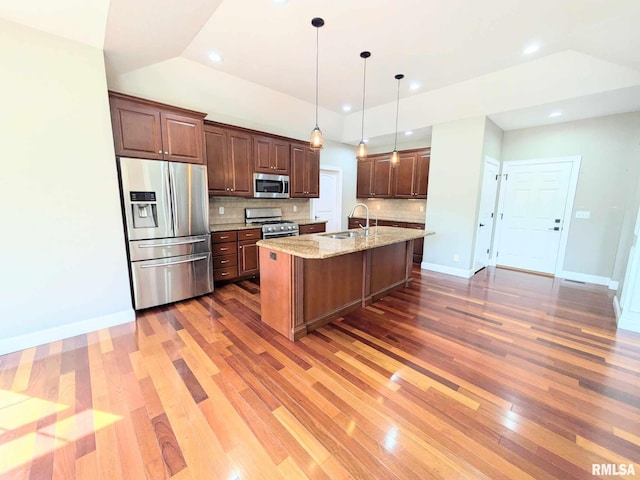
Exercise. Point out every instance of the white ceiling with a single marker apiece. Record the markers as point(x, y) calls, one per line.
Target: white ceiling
point(437, 43)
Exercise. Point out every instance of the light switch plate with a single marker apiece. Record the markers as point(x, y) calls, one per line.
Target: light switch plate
point(583, 214)
point(295, 208)
point(221, 210)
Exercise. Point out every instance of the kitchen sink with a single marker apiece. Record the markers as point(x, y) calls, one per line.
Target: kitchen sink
point(344, 235)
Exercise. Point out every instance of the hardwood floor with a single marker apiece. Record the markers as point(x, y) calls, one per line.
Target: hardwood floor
point(506, 375)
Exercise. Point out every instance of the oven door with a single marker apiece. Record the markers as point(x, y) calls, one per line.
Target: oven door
point(270, 186)
point(269, 236)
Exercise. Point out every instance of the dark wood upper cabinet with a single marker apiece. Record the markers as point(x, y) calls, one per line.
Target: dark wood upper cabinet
point(229, 162)
point(271, 155)
point(409, 179)
point(146, 129)
point(305, 172)
point(374, 177)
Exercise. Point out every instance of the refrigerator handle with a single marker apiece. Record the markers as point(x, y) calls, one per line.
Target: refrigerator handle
point(173, 196)
point(176, 262)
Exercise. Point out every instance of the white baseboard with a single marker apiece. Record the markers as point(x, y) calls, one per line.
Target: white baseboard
point(28, 340)
point(626, 323)
point(616, 308)
point(458, 272)
point(584, 277)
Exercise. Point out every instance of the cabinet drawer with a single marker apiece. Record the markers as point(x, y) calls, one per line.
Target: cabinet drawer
point(225, 261)
point(225, 273)
point(419, 226)
point(312, 228)
point(253, 234)
point(223, 248)
point(224, 237)
point(391, 223)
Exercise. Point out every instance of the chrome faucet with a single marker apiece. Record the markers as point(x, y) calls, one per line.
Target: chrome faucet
point(366, 227)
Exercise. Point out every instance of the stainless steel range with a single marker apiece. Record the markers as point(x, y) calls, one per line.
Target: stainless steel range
point(273, 226)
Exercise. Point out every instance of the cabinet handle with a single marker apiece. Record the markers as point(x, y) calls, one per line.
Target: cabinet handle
point(226, 236)
point(224, 274)
point(232, 189)
point(240, 247)
point(223, 249)
point(223, 262)
point(160, 151)
point(166, 153)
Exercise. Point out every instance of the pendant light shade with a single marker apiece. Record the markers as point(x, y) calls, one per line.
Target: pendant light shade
point(395, 159)
point(316, 134)
point(361, 151)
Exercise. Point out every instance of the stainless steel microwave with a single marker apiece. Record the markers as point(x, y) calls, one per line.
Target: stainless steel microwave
point(266, 185)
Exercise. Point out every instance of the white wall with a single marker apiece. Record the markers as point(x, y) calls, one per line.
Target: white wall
point(454, 189)
point(63, 258)
point(607, 185)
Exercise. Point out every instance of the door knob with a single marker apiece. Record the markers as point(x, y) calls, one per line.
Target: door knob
point(482, 224)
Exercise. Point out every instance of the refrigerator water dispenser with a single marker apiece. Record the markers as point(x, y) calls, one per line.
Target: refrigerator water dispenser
point(144, 209)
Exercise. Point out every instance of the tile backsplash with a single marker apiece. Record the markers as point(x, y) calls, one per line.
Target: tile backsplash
point(234, 208)
point(396, 209)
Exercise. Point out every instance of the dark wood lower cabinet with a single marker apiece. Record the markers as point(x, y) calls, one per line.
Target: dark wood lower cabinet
point(248, 263)
point(235, 254)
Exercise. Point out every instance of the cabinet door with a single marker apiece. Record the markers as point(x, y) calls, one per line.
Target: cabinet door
point(280, 157)
point(312, 176)
point(240, 164)
point(216, 155)
point(364, 178)
point(248, 259)
point(136, 130)
point(297, 185)
point(421, 181)
point(382, 177)
point(404, 176)
point(262, 154)
point(182, 138)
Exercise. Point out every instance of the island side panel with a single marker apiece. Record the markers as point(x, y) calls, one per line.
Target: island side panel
point(388, 269)
point(276, 291)
point(332, 287)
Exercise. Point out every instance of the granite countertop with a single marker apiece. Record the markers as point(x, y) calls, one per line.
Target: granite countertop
point(223, 227)
point(318, 246)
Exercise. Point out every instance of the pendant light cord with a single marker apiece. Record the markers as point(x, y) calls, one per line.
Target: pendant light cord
point(395, 142)
point(364, 84)
point(317, 69)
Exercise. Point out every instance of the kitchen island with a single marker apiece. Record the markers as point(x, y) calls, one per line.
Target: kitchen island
point(310, 280)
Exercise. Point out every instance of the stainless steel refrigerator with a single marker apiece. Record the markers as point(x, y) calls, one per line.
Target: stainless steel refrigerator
point(166, 213)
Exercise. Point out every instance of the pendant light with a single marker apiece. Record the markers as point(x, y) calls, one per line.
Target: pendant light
point(394, 155)
point(316, 134)
point(361, 152)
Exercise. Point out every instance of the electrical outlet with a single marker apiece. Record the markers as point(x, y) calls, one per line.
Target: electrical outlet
point(295, 208)
point(456, 257)
point(583, 214)
point(421, 208)
point(221, 210)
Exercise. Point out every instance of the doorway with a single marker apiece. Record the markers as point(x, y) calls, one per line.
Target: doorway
point(536, 202)
point(486, 213)
point(329, 205)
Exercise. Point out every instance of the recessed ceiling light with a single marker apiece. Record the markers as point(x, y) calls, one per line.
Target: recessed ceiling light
point(408, 132)
point(346, 108)
point(555, 114)
point(529, 49)
point(414, 86)
point(215, 57)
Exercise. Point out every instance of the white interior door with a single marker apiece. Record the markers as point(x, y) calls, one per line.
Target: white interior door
point(533, 213)
point(329, 205)
point(486, 213)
